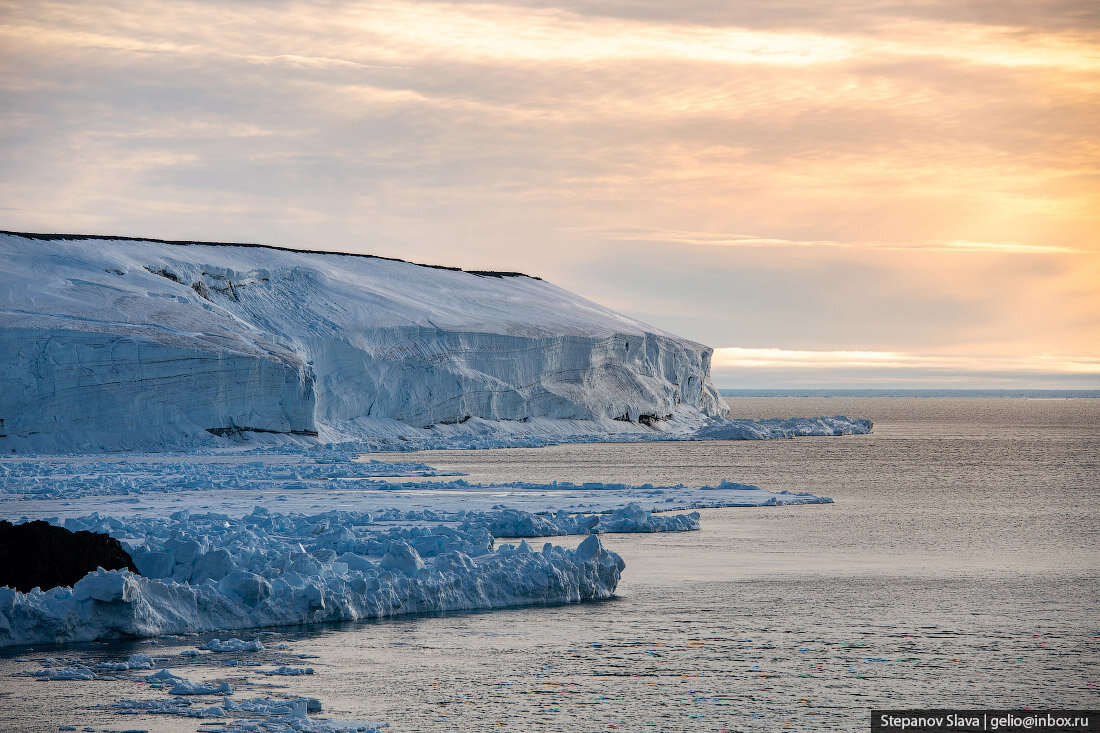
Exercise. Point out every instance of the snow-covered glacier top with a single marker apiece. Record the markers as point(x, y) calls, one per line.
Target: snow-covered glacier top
point(119, 281)
point(121, 343)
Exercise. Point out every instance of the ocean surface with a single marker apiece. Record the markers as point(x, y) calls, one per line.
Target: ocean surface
point(958, 567)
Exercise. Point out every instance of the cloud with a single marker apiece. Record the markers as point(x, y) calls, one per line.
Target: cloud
point(885, 176)
point(654, 234)
point(785, 368)
point(854, 360)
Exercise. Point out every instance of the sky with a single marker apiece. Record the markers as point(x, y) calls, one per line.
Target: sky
point(847, 193)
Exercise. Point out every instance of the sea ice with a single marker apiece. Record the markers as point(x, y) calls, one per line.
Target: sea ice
point(277, 569)
point(258, 715)
point(187, 687)
point(35, 485)
point(285, 671)
point(419, 546)
point(66, 673)
point(233, 645)
point(136, 661)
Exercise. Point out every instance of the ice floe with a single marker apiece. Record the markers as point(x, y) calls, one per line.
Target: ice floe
point(205, 572)
point(213, 704)
point(70, 486)
point(72, 477)
point(259, 714)
point(233, 645)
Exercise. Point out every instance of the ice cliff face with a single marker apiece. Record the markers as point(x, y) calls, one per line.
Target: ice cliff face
point(109, 344)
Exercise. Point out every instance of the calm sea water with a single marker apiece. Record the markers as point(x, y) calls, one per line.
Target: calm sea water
point(959, 567)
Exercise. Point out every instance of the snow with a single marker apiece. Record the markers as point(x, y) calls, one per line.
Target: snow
point(127, 344)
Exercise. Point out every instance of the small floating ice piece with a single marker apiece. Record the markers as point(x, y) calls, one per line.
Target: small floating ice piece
point(187, 687)
point(136, 661)
point(288, 671)
point(233, 645)
point(65, 673)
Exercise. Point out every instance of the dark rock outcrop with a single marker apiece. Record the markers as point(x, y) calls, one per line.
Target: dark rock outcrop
point(38, 554)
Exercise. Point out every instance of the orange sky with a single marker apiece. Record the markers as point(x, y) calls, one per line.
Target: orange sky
point(786, 182)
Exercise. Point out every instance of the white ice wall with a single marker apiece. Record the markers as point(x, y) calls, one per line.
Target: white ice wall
point(66, 388)
point(107, 343)
point(423, 377)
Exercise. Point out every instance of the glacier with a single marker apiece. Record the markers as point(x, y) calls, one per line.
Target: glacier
point(209, 404)
point(256, 376)
point(111, 344)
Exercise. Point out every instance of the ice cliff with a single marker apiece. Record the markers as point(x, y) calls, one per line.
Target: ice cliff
point(121, 344)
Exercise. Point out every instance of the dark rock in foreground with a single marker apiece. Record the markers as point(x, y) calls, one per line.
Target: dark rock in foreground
point(38, 554)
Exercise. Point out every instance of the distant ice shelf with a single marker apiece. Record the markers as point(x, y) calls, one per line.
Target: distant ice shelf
point(154, 485)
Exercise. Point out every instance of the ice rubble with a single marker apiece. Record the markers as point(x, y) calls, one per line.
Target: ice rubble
point(232, 645)
point(71, 477)
point(254, 715)
point(408, 546)
point(286, 671)
point(187, 687)
point(64, 484)
point(781, 428)
point(117, 344)
point(210, 572)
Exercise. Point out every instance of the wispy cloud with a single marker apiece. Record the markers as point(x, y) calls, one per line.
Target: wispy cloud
point(521, 33)
point(712, 239)
point(779, 359)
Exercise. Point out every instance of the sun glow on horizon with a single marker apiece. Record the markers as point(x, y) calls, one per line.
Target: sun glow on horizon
point(807, 360)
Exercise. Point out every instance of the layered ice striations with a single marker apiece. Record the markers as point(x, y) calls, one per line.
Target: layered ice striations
point(116, 344)
point(92, 390)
